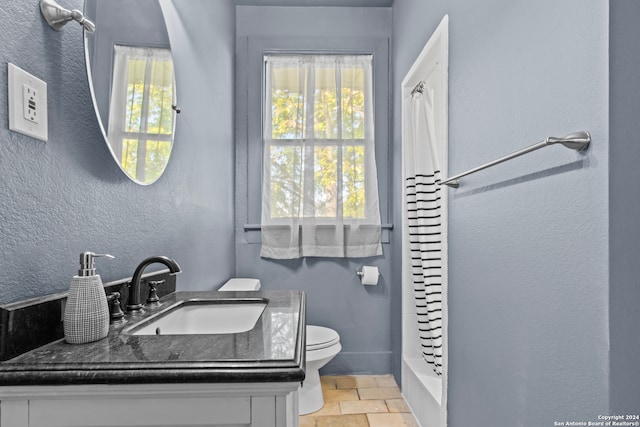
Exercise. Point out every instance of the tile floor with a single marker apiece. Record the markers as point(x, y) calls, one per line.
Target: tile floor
point(360, 401)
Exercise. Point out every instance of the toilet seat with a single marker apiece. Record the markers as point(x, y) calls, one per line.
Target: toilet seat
point(319, 337)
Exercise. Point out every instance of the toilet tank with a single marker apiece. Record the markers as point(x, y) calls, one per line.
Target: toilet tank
point(239, 284)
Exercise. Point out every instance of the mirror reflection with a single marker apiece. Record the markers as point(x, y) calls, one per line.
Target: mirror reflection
point(131, 74)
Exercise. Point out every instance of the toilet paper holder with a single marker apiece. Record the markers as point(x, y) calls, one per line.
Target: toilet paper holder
point(370, 276)
point(360, 273)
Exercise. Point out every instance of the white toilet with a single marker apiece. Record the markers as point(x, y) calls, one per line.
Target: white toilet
point(322, 345)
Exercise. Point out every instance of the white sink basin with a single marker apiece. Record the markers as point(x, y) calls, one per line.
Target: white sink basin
point(228, 316)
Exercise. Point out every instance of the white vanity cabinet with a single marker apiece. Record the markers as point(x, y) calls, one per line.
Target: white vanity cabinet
point(244, 379)
point(154, 405)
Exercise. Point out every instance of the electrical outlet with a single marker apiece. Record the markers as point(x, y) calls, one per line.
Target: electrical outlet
point(30, 104)
point(27, 104)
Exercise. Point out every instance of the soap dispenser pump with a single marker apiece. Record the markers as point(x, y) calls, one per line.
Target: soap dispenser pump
point(86, 315)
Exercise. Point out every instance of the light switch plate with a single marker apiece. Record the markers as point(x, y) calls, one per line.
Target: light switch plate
point(27, 104)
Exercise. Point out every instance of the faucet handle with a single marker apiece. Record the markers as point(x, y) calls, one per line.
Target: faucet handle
point(116, 313)
point(133, 302)
point(153, 299)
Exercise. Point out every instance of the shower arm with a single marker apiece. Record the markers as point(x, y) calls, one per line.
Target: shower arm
point(57, 16)
point(576, 141)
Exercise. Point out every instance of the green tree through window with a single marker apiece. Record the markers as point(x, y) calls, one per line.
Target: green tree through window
point(326, 106)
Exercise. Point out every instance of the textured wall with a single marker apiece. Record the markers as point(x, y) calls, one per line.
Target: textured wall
point(528, 248)
point(624, 205)
point(335, 296)
point(66, 196)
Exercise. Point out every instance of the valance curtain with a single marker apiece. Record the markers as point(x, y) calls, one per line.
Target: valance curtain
point(320, 190)
point(140, 111)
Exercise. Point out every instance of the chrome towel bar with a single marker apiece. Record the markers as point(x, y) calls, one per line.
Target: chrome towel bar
point(576, 141)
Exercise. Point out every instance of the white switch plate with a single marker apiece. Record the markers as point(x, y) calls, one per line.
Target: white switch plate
point(27, 104)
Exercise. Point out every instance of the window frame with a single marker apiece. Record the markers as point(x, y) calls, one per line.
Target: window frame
point(322, 142)
point(250, 102)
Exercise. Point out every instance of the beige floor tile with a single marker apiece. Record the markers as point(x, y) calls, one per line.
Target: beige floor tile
point(342, 421)
point(387, 420)
point(328, 382)
point(397, 405)
point(356, 381)
point(329, 408)
point(340, 395)
point(363, 407)
point(361, 401)
point(409, 420)
point(345, 382)
point(385, 381)
point(307, 421)
point(380, 393)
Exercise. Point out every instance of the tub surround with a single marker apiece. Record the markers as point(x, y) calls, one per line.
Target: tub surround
point(263, 354)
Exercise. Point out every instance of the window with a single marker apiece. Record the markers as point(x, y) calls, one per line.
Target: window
point(320, 195)
point(141, 116)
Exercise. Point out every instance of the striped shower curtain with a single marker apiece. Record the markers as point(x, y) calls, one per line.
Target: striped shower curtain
point(423, 222)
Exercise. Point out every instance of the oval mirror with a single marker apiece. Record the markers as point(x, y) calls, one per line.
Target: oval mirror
point(131, 78)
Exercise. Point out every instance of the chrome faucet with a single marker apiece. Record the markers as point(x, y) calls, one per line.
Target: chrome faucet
point(133, 301)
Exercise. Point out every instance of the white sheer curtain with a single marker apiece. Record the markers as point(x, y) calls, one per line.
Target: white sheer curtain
point(141, 116)
point(320, 190)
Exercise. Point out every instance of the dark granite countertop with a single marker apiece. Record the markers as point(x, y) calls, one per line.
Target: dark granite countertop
point(273, 351)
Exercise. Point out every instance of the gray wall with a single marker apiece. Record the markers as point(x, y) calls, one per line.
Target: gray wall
point(528, 248)
point(335, 296)
point(624, 204)
point(66, 196)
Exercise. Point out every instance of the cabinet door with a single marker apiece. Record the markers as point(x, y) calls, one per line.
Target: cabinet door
point(14, 413)
point(139, 412)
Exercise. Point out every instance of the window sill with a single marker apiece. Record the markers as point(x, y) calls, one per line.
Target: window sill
point(257, 227)
point(253, 233)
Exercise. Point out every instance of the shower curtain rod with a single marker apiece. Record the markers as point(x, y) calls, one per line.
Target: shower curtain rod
point(576, 141)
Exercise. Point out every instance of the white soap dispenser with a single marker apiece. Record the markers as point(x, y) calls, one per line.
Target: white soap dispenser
point(86, 315)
